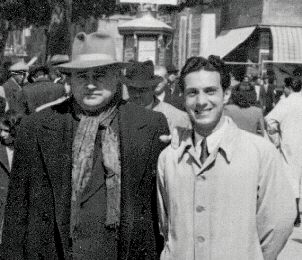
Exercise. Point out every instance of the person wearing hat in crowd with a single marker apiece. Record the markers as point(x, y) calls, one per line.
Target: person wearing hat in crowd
point(176, 96)
point(141, 83)
point(82, 180)
point(11, 88)
point(56, 74)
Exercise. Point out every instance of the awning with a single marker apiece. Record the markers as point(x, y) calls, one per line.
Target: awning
point(146, 23)
point(287, 44)
point(228, 40)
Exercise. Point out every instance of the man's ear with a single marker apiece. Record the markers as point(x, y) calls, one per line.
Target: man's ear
point(227, 95)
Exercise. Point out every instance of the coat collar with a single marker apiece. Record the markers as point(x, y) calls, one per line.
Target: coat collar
point(226, 145)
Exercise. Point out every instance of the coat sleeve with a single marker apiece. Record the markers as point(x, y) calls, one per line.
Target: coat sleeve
point(157, 147)
point(162, 198)
point(275, 205)
point(16, 211)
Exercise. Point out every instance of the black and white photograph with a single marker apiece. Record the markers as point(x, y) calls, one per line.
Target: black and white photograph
point(150, 129)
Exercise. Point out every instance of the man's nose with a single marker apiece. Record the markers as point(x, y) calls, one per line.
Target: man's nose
point(201, 99)
point(91, 85)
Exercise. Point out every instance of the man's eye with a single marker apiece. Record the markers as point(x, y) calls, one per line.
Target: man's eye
point(82, 76)
point(210, 91)
point(101, 73)
point(191, 92)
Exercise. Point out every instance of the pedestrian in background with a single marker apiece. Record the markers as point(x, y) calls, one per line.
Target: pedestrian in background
point(244, 112)
point(9, 123)
point(142, 83)
point(284, 125)
point(12, 87)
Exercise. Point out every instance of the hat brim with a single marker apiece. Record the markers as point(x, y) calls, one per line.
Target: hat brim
point(139, 84)
point(88, 64)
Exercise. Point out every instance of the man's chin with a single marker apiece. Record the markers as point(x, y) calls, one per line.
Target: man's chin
point(205, 124)
point(92, 106)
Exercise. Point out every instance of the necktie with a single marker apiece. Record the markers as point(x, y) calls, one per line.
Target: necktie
point(204, 151)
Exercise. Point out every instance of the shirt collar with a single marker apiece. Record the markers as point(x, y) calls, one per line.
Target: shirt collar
point(223, 140)
point(213, 139)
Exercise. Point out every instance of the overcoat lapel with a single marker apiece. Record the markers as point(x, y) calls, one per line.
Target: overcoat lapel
point(135, 145)
point(55, 139)
point(4, 159)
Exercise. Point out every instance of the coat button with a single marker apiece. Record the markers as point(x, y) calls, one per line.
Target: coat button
point(199, 209)
point(200, 239)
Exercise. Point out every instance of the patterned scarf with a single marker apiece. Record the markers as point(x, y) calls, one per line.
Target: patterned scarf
point(83, 152)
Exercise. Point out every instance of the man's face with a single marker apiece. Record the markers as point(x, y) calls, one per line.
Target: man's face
point(94, 88)
point(5, 136)
point(204, 99)
point(246, 79)
point(141, 96)
point(162, 72)
point(19, 77)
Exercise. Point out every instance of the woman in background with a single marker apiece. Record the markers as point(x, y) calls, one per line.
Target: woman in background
point(243, 110)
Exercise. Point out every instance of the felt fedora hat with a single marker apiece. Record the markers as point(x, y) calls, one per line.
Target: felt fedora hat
point(91, 50)
point(141, 75)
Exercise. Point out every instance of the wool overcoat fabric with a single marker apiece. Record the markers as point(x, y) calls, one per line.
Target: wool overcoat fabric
point(34, 95)
point(37, 221)
point(4, 179)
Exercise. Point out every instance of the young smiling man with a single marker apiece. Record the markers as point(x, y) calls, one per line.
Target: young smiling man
point(83, 176)
point(222, 193)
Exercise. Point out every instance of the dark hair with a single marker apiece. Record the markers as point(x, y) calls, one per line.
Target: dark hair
point(288, 82)
point(296, 85)
point(244, 98)
point(11, 119)
point(213, 63)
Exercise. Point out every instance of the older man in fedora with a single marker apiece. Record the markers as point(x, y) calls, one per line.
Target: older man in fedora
point(12, 87)
point(82, 181)
point(141, 83)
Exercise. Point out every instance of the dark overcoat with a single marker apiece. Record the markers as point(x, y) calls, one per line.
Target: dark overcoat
point(37, 221)
point(4, 178)
point(34, 95)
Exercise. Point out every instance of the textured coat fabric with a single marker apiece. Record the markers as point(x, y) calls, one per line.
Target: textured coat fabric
point(37, 222)
point(4, 179)
point(37, 94)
